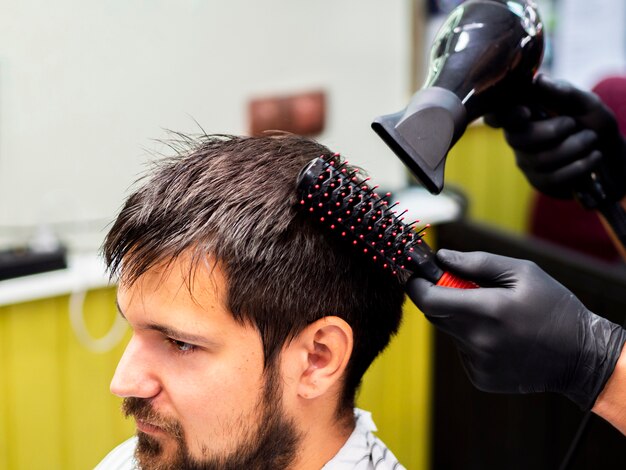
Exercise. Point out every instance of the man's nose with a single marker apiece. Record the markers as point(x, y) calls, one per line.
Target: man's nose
point(134, 375)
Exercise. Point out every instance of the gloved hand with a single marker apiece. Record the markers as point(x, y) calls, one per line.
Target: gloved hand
point(523, 331)
point(573, 135)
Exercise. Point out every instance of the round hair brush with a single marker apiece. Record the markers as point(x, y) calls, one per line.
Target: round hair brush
point(348, 206)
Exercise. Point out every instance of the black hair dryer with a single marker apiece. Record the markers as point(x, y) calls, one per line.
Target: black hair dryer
point(484, 56)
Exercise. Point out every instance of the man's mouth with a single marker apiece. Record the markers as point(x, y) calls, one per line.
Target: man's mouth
point(148, 428)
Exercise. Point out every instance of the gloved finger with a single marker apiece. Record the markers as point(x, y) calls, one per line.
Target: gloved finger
point(566, 175)
point(561, 97)
point(541, 135)
point(443, 306)
point(575, 147)
point(515, 117)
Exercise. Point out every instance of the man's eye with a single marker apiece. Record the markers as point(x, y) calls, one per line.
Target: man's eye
point(181, 346)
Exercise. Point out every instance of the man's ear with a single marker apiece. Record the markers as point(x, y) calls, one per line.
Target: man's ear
point(323, 350)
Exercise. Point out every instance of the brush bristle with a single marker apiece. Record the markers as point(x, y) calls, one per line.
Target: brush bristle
point(346, 205)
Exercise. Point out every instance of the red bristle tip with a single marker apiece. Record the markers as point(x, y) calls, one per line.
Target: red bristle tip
point(310, 196)
point(339, 219)
point(331, 163)
point(310, 209)
point(361, 237)
point(411, 249)
point(374, 258)
point(336, 154)
point(343, 234)
point(402, 267)
point(325, 194)
point(319, 204)
point(332, 226)
point(419, 241)
point(302, 201)
point(354, 242)
point(322, 219)
point(337, 204)
point(364, 250)
point(385, 265)
point(394, 272)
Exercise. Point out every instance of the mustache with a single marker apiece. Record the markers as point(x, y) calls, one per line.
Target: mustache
point(141, 409)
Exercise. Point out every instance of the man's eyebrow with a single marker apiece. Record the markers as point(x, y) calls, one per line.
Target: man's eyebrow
point(172, 332)
point(180, 335)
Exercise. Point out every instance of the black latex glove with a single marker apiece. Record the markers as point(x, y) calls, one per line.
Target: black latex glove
point(558, 141)
point(522, 333)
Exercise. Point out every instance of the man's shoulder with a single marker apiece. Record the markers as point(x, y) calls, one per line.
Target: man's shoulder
point(120, 458)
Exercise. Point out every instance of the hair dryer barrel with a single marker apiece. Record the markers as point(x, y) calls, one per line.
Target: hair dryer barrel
point(484, 56)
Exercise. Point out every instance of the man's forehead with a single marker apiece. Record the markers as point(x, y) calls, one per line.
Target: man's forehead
point(181, 280)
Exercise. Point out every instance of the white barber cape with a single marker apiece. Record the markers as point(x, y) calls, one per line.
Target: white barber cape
point(362, 451)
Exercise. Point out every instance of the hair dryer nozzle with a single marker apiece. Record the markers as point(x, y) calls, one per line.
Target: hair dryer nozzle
point(424, 132)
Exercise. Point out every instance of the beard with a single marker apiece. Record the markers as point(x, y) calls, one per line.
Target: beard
point(273, 444)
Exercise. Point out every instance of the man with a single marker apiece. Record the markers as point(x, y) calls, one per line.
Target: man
point(523, 331)
point(251, 329)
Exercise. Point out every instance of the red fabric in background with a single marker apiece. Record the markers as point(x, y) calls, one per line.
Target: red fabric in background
point(565, 222)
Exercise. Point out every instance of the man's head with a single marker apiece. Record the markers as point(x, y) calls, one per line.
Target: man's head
point(212, 252)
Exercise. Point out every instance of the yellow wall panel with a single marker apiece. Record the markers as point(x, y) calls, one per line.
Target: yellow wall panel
point(57, 411)
point(483, 166)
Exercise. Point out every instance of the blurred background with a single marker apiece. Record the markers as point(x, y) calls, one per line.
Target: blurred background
point(88, 90)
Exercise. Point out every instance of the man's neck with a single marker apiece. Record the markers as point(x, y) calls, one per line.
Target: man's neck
point(322, 439)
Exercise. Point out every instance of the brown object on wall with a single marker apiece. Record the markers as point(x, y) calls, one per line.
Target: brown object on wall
point(302, 113)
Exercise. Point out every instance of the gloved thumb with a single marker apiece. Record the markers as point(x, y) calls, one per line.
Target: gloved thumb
point(485, 269)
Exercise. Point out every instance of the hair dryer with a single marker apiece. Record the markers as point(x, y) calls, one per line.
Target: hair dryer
point(484, 56)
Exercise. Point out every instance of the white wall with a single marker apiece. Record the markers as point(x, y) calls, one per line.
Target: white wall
point(86, 85)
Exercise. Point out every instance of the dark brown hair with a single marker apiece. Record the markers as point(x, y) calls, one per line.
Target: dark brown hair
point(233, 199)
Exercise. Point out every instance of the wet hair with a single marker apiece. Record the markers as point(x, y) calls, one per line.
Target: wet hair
point(232, 199)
